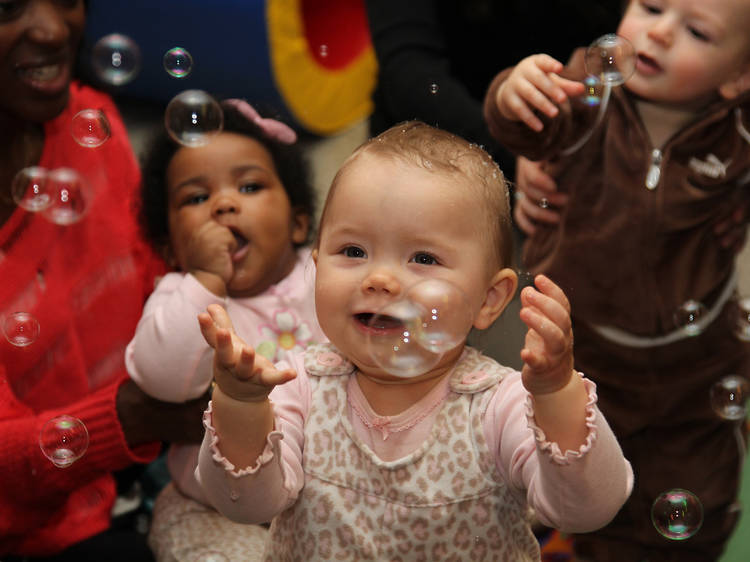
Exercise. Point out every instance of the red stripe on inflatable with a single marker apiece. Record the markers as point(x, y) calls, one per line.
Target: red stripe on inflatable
point(336, 31)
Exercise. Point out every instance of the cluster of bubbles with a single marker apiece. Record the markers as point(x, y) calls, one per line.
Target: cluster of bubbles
point(116, 60)
point(192, 117)
point(677, 514)
point(407, 337)
point(690, 318)
point(63, 440)
point(62, 195)
point(609, 61)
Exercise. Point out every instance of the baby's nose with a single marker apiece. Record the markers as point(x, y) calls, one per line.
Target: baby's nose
point(381, 281)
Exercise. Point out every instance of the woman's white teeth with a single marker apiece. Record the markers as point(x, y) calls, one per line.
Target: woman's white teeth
point(43, 73)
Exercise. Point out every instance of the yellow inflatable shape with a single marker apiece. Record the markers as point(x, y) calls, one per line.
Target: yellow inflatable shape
point(323, 100)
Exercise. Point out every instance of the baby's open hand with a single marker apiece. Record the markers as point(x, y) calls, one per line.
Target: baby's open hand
point(534, 84)
point(239, 373)
point(548, 350)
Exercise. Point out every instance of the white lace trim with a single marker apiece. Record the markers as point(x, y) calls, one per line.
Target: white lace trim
point(553, 449)
point(271, 450)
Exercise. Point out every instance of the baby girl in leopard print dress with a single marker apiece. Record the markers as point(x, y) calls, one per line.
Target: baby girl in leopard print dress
point(351, 462)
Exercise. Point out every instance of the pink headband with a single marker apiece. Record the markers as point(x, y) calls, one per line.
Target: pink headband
point(272, 128)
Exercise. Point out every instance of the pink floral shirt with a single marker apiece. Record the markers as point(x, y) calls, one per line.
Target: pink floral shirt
point(277, 322)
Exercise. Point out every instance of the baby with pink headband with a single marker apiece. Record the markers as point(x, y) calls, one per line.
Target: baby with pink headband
point(232, 218)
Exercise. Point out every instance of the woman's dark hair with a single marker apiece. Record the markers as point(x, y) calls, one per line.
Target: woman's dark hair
point(291, 167)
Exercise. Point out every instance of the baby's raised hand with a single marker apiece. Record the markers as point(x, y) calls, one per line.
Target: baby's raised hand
point(238, 371)
point(548, 349)
point(209, 251)
point(534, 84)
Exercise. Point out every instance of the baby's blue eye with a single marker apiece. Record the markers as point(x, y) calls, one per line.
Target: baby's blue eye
point(354, 252)
point(424, 258)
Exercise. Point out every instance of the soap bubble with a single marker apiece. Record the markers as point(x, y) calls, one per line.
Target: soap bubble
point(193, 117)
point(728, 397)
point(593, 92)
point(20, 328)
point(29, 189)
point(677, 514)
point(742, 324)
point(611, 59)
point(434, 88)
point(178, 62)
point(64, 440)
point(90, 128)
point(393, 342)
point(687, 316)
point(70, 196)
point(116, 59)
point(446, 316)
point(323, 51)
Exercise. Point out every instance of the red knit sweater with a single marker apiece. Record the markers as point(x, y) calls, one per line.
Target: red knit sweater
point(86, 284)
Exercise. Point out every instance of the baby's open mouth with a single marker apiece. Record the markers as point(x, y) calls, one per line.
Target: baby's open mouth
point(242, 244)
point(379, 322)
point(649, 62)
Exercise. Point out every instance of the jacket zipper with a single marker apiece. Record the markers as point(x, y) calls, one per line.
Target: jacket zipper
point(654, 171)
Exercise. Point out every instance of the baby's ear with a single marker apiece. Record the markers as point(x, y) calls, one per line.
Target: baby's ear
point(166, 253)
point(738, 85)
point(300, 226)
point(500, 292)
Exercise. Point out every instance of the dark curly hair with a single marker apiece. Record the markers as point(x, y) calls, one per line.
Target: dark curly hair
point(289, 161)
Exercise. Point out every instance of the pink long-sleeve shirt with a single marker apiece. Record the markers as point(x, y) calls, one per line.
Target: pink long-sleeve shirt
point(279, 321)
point(576, 491)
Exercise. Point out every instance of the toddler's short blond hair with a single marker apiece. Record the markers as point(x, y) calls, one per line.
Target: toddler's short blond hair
point(439, 151)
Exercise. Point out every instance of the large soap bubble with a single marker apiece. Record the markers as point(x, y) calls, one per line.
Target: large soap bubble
point(677, 514)
point(393, 341)
point(611, 59)
point(29, 189)
point(728, 397)
point(70, 195)
point(116, 59)
point(446, 314)
point(64, 440)
point(90, 128)
point(193, 118)
point(21, 328)
point(178, 62)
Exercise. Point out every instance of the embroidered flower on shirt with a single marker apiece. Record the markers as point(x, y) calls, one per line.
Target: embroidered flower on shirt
point(289, 334)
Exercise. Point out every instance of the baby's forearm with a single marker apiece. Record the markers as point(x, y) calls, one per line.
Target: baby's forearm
point(242, 427)
point(562, 414)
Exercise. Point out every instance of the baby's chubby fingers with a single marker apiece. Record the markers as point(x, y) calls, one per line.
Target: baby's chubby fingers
point(546, 309)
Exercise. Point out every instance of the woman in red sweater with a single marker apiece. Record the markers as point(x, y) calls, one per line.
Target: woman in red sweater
point(85, 283)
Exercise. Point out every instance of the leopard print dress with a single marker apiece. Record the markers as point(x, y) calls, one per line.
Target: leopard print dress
point(444, 501)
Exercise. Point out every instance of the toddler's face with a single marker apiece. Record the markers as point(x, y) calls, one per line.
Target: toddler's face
point(389, 225)
point(686, 49)
point(232, 182)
